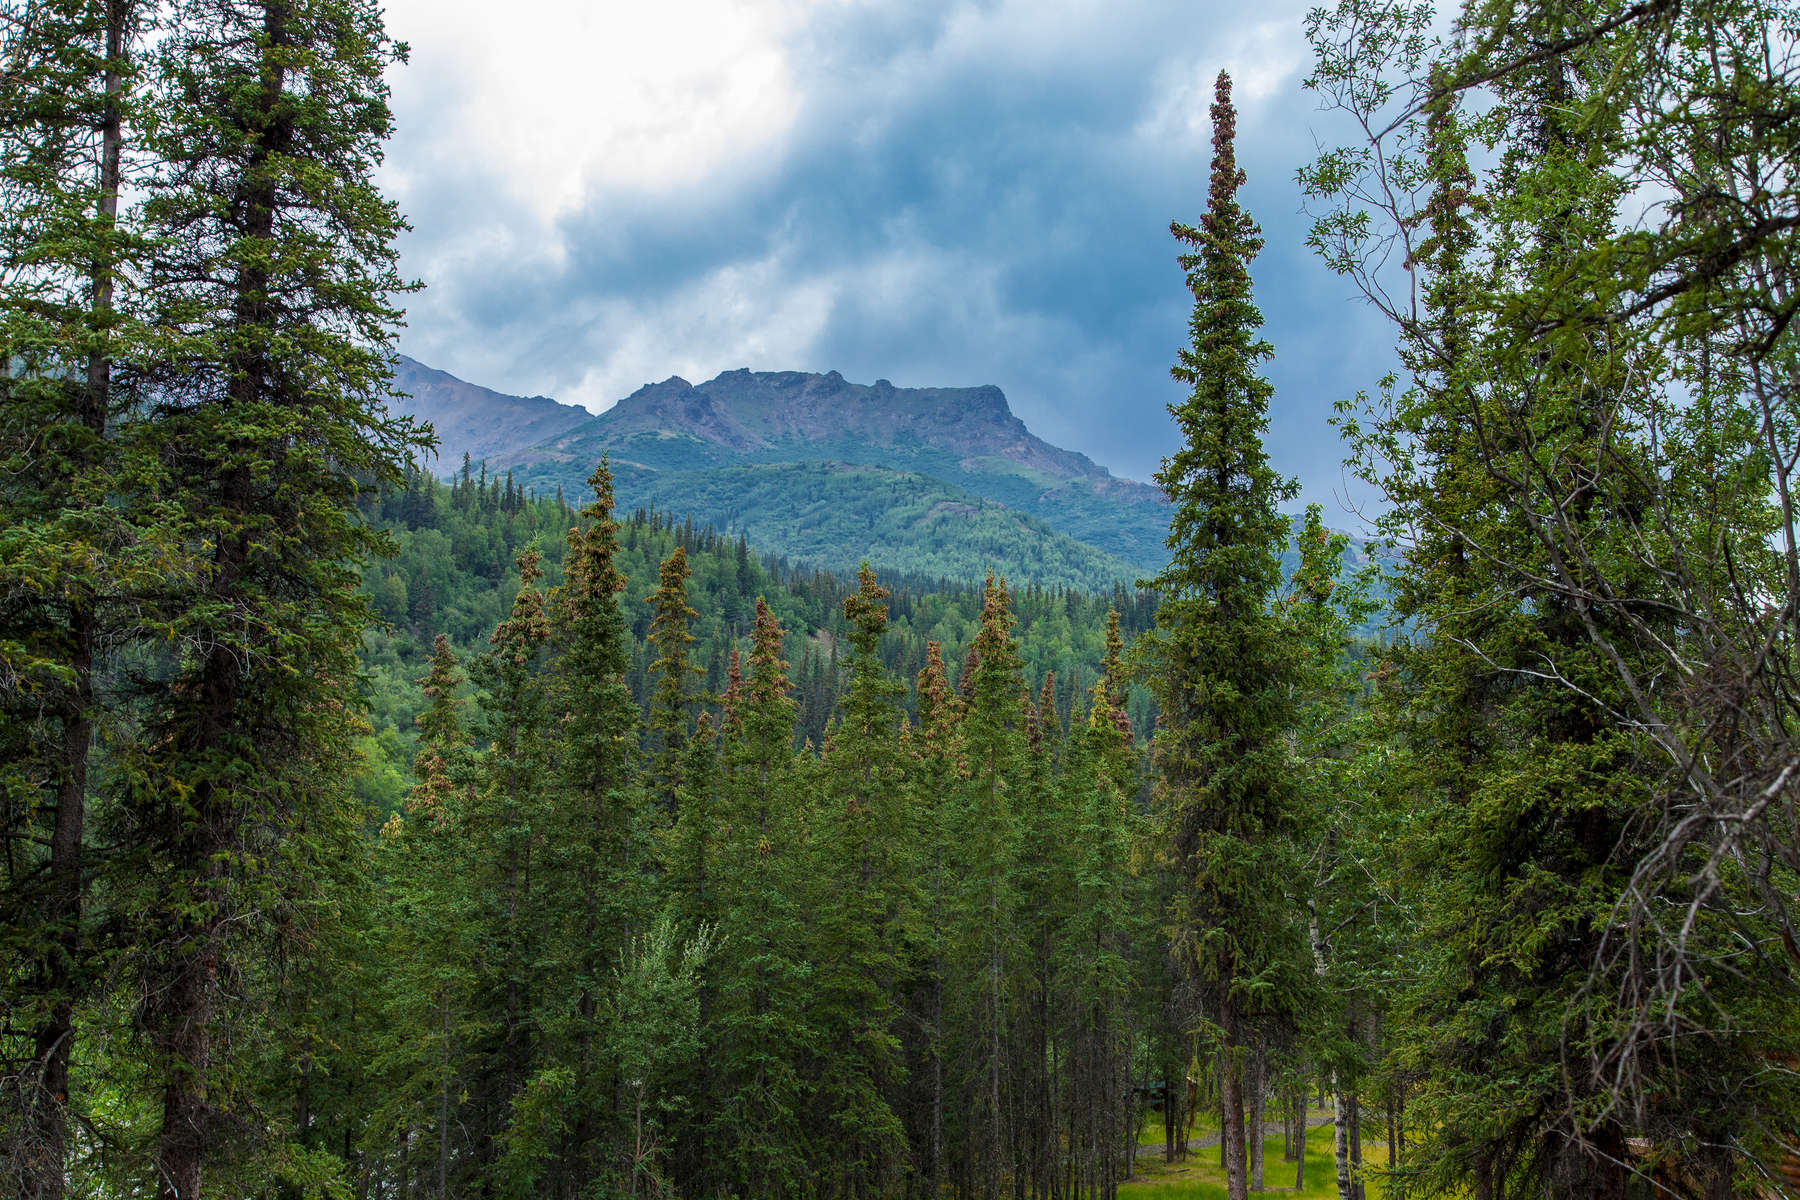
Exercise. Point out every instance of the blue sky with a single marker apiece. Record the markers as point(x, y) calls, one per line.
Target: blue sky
point(935, 193)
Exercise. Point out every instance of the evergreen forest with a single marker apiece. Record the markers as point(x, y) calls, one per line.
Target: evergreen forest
point(369, 835)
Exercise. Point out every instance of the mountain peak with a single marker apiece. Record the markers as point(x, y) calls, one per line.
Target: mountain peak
point(653, 394)
point(664, 439)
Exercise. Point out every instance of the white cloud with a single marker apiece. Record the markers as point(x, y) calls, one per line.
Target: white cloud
point(744, 314)
point(554, 98)
point(1265, 60)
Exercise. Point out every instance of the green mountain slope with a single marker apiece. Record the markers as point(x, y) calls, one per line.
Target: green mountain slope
point(938, 481)
point(834, 515)
point(964, 437)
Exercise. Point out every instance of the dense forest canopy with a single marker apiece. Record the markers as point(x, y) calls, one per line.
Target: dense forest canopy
point(452, 571)
point(367, 835)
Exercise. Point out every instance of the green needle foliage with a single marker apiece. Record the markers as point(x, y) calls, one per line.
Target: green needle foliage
point(673, 671)
point(1575, 366)
point(1221, 663)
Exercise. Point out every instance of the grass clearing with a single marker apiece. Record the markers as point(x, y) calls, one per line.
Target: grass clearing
point(1199, 1176)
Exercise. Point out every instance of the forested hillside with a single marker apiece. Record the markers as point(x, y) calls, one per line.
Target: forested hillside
point(454, 572)
point(672, 438)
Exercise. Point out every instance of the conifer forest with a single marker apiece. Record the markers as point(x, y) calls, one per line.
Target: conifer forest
point(370, 835)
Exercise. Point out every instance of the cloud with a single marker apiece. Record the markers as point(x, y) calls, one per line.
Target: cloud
point(935, 193)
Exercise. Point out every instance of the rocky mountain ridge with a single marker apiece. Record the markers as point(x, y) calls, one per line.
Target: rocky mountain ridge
point(709, 448)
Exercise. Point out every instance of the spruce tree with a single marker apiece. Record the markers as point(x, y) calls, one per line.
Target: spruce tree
point(427, 1007)
point(599, 845)
point(1542, 452)
point(982, 855)
point(762, 981)
point(673, 671)
point(1218, 662)
point(864, 901)
point(936, 768)
point(71, 553)
point(511, 817)
point(274, 281)
point(1101, 930)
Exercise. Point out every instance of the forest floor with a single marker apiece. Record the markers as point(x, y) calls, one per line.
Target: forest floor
point(1199, 1176)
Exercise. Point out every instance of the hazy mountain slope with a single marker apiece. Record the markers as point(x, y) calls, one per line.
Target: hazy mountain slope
point(934, 481)
point(939, 481)
point(476, 421)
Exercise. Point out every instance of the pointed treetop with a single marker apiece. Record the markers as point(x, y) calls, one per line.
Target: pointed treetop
point(1046, 705)
point(529, 625)
point(937, 700)
point(672, 612)
point(1225, 523)
point(993, 647)
point(1112, 665)
point(734, 690)
point(590, 563)
point(768, 670)
point(438, 724)
point(866, 613)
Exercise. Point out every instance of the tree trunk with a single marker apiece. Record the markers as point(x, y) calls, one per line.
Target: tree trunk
point(1224, 1069)
point(1300, 1140)
point(443, 1146)
point(1393, 1127)
point(54, 1038)
point(1231, 1136)
point(937, 1078)
point(187, 1008)
point(1287, 1129)
point(1224, 1150)
point(1257, 1065)
point(187, 1041)
point(1340, 1129)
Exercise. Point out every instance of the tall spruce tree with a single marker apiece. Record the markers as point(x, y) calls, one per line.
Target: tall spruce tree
point(427, 857)
point(599, 847)
point(1219, 662)
point(511, 815)
point(1544, 454)
point(764, 1034)
point(864, 903)
point(273, 280)
point(936, 767)
point(982, 954)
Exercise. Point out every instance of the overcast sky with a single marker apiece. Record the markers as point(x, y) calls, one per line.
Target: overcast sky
point(934, 192)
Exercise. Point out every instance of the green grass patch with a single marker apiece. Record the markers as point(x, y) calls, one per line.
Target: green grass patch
point(1199, 1176)
point(1150, 1133)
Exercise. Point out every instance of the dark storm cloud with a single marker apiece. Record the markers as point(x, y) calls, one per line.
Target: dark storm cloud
point(981, 199)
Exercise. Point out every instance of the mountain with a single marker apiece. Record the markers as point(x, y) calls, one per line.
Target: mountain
point(930, 481)
point(475, 421)
point(965, 438)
